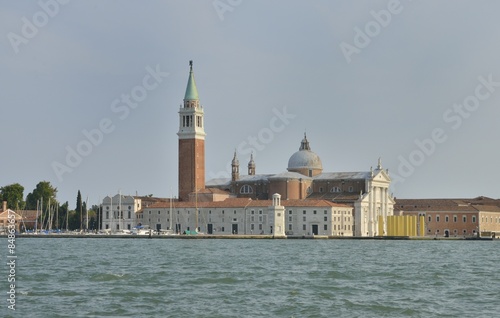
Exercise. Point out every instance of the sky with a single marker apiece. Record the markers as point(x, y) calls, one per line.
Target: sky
point(90, 91)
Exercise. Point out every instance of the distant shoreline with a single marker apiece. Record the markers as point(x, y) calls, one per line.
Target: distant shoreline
point(255, 237)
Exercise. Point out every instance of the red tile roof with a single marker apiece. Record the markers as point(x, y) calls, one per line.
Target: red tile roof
point(459, 205)
point(244, 202)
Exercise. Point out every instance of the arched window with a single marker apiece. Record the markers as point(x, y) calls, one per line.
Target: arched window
point(246, 189)
point(335, 189)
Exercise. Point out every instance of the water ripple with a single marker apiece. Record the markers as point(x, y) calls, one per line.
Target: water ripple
point(256, 278)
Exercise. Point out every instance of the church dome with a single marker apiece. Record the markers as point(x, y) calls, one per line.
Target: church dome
point(304, 159)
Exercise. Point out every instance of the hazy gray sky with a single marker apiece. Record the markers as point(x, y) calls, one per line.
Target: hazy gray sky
point(366, 79)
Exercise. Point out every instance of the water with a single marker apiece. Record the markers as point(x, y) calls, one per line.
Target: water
point(254, 278)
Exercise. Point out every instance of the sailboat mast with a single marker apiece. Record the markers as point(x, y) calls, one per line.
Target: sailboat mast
point(120, 213)
point(112, 216)
point(41, 215)
point(57, 217)
point(67, 217)
point(87, 211)
point(51, 215)
point(99, 211)
point(49, 218)
point(36, 220)
point(171, 214)
point(196, 212)
point(81, 215)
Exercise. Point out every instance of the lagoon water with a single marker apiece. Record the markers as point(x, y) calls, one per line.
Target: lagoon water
point(66, 277)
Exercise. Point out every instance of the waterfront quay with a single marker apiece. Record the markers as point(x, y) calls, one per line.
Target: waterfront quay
point(244, 236)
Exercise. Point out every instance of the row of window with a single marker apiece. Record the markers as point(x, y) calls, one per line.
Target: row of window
point(324, 212)
point(187, 121)
point(260, 227)
point(120, 215)
point(325, 227)
point(485, 219)
point(464, 219)
point(247, 189)
point(260, 212)
point(190, 104)
point(252, 219)
point(455, 218)
point(335, 219)
point(455, 231)
point(118, 207)
point(209, 212)
point(118, 227)
point(337, 189)
point(290, 212)
point(252, 227)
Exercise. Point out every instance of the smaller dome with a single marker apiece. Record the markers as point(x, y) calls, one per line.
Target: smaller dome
point(251, 163)
point(235, 161)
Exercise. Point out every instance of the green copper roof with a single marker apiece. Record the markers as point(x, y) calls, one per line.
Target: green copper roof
point(191, 90)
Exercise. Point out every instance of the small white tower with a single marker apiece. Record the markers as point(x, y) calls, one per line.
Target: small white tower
point(278, 211)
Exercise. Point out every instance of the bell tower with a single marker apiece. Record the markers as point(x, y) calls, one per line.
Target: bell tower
point(251, 166)
point(235, 168)
point(191, 141)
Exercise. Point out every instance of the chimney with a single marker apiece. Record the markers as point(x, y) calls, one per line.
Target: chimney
point(4, 206)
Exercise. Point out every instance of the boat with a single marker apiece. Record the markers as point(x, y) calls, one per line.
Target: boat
point(167, 232)
point(142, 230)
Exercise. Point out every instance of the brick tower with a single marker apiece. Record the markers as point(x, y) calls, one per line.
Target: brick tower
point(191, 141)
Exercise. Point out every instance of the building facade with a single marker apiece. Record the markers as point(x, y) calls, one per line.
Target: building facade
point(119, 212)
point(252, 217)
point(455, 217)
point(9, 219)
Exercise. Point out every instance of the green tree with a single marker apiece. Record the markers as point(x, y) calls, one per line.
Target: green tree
point(73, 220)
point(81, 210)
point(92, 220)
point(43, 190)
point(98, 216)
point(13, 194)
point(63, 213)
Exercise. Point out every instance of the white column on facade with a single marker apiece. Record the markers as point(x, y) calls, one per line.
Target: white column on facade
point(386, 208)
point(376, 212)
point(379, 209)
point(373, 199)
point(369, 212)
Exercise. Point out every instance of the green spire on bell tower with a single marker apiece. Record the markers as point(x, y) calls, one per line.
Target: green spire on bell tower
point(191, 90)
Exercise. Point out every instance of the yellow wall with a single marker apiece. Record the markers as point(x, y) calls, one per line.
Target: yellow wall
point(403, 226)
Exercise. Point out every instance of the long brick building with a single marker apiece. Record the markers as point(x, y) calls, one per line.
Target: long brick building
point(454, 217)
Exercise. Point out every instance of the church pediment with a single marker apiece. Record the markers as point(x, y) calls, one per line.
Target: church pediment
point(381, 175)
